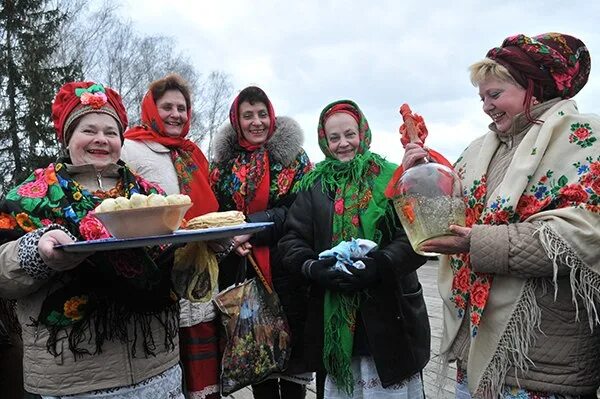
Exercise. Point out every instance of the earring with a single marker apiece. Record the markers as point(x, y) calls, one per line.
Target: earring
point(535, 101)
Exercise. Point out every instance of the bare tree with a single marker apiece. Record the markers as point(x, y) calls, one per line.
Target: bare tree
point(83, 29)
point(217, 90)
point(112, 52)
point(115, 54)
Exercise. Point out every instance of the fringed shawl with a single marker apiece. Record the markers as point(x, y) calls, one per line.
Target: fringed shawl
point(554, 178)
point(359, 205)
point(110, 291)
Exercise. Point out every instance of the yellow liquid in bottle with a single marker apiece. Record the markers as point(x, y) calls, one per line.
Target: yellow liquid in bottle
point(424, 218)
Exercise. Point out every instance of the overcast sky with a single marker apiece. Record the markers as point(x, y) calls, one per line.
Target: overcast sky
point(379, 53)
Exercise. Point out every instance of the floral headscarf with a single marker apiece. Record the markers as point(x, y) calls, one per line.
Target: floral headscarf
point(234, 119)
point(549, 65)
point(190, 163)
point(350, 108)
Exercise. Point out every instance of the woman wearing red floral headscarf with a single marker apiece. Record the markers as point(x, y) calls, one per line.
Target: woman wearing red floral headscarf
point(258, 161)
point(159, 150)
point(98, 324)
point(520, 286)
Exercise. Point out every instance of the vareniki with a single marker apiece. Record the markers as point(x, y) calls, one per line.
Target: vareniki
point(141, 201)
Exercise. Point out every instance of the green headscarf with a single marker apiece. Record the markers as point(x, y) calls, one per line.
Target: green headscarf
point(360, 203)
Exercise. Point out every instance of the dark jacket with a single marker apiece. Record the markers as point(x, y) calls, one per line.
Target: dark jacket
point(393, 314)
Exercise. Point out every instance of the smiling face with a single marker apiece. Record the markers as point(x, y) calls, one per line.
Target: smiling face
point(342, 135)
point(502, 101)
point(254, 122)
point(95, 141)
point(172, 110)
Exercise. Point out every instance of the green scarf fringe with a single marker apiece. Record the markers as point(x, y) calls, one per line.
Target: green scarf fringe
point(334, 173)
point(337, 357)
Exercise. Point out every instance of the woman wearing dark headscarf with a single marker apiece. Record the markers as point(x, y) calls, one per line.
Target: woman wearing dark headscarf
point(98, 324)
point(368, 330)
point(520, 286)
point(159, 150)
point(258, 161)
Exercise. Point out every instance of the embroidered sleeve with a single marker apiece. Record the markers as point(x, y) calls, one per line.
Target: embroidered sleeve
point(29, 257)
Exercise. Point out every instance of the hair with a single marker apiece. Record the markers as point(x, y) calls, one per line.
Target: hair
point(69, 132)
point(172, 81)
point(253, 95)
point(488, 68)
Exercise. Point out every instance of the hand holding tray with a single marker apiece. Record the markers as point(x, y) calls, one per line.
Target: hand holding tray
point(177, 237)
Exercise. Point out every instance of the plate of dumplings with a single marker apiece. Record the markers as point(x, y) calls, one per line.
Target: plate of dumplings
point(156, 219)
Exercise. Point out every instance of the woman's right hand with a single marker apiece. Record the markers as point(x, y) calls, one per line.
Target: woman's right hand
point(56, 258)
point(414, 154)
point(242, 245)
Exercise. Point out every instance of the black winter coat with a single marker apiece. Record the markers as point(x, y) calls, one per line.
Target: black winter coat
point(393, 314)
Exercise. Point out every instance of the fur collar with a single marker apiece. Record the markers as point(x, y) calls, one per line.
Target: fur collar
point(283, 146)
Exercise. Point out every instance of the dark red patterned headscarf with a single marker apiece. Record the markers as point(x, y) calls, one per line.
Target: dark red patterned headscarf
point(549, 65)
point(234, 115)
point(259, 174)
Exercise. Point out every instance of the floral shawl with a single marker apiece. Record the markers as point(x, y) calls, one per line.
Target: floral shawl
point(237, 173)
point(232, 179)
point(110, 289)
point(358, 186)
point(554, 178)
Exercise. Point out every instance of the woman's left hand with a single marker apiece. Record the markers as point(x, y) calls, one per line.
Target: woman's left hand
point(459, 243)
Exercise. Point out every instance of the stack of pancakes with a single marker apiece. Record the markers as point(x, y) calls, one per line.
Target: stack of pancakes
point(216, 219)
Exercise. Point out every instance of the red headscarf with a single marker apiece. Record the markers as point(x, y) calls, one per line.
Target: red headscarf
point(152, 129)
point(342, 108)
point(234, 118)
point(259, 157)
point(76, 99)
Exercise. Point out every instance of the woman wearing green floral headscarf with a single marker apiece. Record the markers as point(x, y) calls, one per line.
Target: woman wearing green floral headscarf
point(368, 330)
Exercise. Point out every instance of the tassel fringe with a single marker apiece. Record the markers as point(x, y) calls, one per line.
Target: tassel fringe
point(514, 344)
point(112, 325)
point(585, 282)
point(337, 362)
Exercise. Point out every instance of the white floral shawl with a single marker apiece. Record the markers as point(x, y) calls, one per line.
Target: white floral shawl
point(553, 178)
